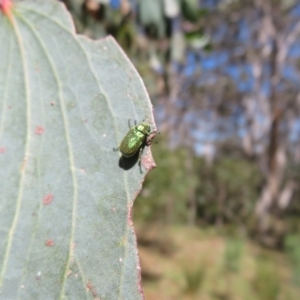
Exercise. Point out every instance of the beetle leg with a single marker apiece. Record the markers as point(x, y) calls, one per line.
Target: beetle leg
point(116, 149)
point(135, 123)
point(140, 155)
point(155, 136)
point(154, 132)
point(150, 137)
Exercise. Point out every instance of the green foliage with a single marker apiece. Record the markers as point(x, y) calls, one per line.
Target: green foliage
point(198, 40)
point(227, 190)
point(140, 27)
point(190, 10)
point(232, 255)
point(194, 276)
point(292, 248)
point(151, 16)
point(195, 269)
point(266, 282)
point(164, 194)
point(293, 210)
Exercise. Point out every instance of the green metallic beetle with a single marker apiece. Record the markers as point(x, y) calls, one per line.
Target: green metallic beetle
point(136, 137)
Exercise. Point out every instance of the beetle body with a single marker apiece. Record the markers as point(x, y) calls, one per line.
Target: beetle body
point(134, 139)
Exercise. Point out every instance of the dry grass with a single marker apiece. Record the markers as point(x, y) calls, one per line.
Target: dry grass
point(188, 263)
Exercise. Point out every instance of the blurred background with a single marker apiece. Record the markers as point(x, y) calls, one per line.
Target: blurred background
point(219, 218)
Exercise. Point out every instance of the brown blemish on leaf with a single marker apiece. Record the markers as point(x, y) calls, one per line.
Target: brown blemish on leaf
point(48, 199)
point(49, 243)
point(90, 288)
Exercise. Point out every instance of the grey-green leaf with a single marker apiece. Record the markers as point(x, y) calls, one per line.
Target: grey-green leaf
point(65, 203)
point(151, 14)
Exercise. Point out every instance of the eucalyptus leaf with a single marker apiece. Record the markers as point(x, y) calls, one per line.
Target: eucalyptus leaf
point(178, 47)
point(65, 196)
point(171, 8)
point(151, 15)
point(103, 1)
point(190, 10)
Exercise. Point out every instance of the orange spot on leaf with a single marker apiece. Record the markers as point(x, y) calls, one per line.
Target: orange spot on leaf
point(39, 130)
point(5, 7)
point(47, 199)
point(89, 286)
point(49, 243)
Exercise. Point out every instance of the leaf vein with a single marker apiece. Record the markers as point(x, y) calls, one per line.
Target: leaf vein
point(71, 157)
